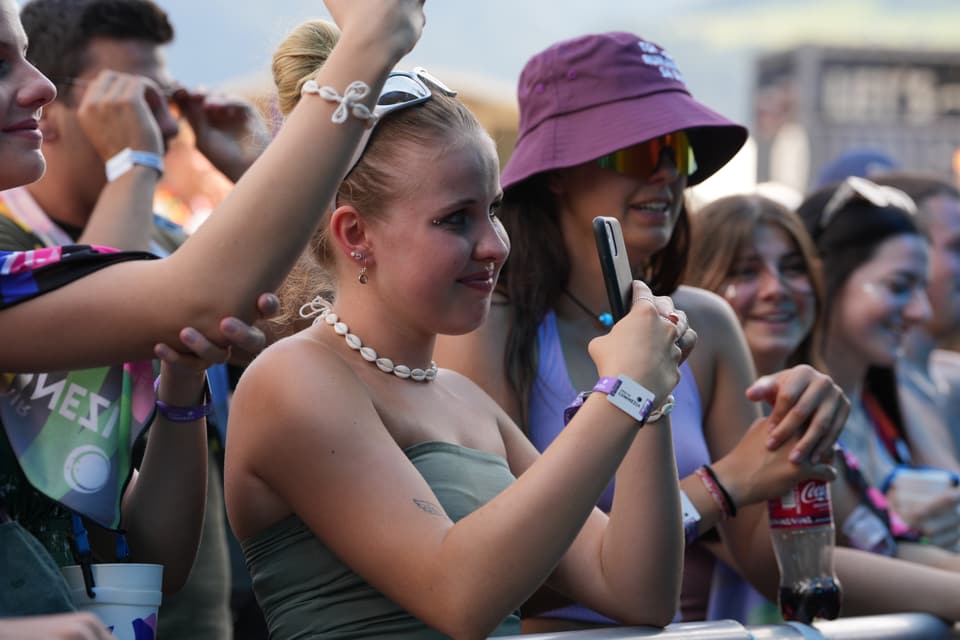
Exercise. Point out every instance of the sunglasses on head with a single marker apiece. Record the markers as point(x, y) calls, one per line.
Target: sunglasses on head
point(404, 89)
point(854, 188)
point(401, 89)
point(642, 160)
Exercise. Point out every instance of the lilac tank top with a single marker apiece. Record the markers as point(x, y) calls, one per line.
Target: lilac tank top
point(553, 390)
point(711, 590)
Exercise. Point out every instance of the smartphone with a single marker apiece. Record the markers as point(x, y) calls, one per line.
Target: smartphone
point(617, 275)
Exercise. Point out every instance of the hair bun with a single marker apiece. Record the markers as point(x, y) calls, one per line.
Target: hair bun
point(299, 58)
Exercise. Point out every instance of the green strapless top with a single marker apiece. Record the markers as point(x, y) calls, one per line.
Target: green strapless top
point(305, 591)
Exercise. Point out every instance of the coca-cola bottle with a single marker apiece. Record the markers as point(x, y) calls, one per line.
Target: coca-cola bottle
point(801, 528)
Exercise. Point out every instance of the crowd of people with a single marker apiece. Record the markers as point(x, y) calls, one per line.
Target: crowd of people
point(439, 430)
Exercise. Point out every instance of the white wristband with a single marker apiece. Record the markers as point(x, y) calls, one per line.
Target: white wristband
point(629, 396)
point(128, 158)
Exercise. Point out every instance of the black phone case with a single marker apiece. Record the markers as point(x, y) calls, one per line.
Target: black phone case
point(619, 305)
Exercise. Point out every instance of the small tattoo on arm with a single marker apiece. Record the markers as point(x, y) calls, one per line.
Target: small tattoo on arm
point(429, 507)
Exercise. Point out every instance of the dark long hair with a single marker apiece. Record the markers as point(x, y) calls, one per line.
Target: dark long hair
point(845, 242)
point(538, 271)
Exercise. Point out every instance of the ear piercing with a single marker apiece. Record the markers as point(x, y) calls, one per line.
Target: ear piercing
point(362, 278)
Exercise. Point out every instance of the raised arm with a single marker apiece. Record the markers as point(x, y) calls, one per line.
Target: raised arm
point(119, 111)
point(246, 248)
point(628, 565)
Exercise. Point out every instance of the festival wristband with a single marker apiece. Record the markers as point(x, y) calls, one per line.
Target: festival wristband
point(184, 414)
point(629, 396)
point(128, 158)
point(626, 394)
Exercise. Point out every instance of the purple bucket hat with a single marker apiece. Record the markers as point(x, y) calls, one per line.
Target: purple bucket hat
point(590, 96)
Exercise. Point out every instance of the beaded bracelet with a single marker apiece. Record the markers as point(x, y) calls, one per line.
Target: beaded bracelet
point(726, 495)
point(717, 492)
point(183, 414)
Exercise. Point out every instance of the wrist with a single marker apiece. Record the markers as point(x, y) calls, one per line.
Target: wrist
point(379, 55)
point(724, 470)
point(128, 159)
point(185, 404)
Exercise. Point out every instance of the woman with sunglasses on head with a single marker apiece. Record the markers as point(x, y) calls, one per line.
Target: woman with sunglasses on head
point(122, 313)
point(607, 127)
point(875, 255)
point(376, 495)
point(760, 258)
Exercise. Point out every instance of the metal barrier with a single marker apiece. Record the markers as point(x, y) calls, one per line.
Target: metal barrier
point(906, 626)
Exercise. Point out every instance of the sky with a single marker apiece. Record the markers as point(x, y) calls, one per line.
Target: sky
point(714, 42)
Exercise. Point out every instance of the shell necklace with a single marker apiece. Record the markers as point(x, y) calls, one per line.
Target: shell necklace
point(319, 309)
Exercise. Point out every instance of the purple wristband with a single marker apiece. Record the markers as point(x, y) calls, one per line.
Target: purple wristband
point(182, 414)
point(604, 385)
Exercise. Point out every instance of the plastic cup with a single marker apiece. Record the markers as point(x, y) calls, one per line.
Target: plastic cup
point(127, 597)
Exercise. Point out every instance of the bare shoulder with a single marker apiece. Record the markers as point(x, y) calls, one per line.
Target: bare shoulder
point(705, 306)
point(297, 382)
point(466, 390)
point(721, 361)
point(710, 316)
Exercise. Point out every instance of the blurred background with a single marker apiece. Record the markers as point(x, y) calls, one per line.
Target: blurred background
point(811, 79)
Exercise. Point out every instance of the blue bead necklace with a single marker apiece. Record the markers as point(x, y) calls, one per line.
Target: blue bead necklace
point(603, 320)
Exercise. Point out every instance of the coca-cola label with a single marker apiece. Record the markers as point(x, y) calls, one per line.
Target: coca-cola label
point(807, 505)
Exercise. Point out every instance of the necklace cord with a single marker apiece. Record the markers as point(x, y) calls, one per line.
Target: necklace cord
point(602, 320)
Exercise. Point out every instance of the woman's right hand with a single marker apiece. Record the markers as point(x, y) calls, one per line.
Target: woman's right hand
point(752, 473)
point(643, 345)
point(397, 23)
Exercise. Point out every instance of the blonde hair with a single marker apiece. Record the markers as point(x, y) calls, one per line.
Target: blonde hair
point(299, 58)
point(380, 175)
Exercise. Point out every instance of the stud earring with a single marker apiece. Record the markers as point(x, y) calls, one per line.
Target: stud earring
point(362, 278)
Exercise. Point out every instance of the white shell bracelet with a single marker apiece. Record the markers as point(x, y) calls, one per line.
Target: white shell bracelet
point(348, 104)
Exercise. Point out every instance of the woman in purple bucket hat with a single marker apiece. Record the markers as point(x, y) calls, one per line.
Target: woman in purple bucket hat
point(608, 127)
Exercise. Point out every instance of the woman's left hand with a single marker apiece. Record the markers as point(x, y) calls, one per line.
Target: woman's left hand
point(803, 400)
